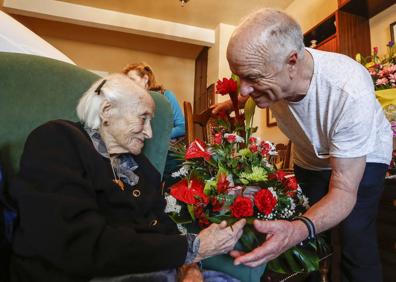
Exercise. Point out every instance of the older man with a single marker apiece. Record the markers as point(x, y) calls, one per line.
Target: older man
point(324, 102)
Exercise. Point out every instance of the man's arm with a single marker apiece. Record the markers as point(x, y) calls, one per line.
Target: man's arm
point(326, 213)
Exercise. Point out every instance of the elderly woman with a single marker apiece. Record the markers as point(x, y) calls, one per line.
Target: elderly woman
point(89, 202)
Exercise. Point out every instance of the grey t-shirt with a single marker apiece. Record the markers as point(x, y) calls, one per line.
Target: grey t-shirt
point(339, 116)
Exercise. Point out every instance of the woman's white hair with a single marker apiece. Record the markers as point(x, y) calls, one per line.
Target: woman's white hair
point(115, 88)
point(276, 35)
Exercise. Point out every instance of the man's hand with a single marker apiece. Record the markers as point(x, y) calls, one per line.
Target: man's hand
point(281, 235)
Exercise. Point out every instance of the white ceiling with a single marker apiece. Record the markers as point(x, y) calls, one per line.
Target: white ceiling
point(202, 13)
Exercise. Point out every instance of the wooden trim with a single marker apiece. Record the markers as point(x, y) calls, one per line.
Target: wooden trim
point(392, 28)
point(188, 117)
point(270, 120)
point(324, 42)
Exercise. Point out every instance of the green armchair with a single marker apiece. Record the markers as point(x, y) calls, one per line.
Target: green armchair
point(36, 89)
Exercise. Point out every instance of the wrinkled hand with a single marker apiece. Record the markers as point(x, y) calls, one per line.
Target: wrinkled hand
point(222, 107)
point(281, 235)
point(219, 239)
point(190, 273)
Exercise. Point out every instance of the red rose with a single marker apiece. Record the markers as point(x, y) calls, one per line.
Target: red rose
point(218, 138)
point(231, 138)
point(241, 207)
point(189, 193)
point(265, 148)
point(279, 175)
point(253, 148)
point(252, 140)
point(222, 183)
point(291, 184)
point(196, 149)
point(226, 86)
point(265, 201)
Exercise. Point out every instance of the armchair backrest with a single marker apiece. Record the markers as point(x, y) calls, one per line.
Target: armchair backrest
point(35, 89)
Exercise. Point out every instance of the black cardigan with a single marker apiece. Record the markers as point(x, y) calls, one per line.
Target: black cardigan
point(76, 224)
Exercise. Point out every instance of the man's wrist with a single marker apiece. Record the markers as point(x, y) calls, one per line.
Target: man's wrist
point(306, 228)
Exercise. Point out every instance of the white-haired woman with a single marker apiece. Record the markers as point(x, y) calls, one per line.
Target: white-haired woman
point(89, 202)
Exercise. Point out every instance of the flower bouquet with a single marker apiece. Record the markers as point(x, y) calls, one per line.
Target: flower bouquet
point(234, 178)
point(383, 72)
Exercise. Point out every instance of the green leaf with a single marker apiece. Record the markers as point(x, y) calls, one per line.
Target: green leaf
point(308, 259)
point(292, 263)
point(250, 107)
point(250, 238)
point(210, 187)
point(191, 211)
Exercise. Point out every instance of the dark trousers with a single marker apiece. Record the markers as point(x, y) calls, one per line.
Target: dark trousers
point(360, 261)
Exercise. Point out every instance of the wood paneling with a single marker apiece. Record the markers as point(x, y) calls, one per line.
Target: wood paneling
point(353, 33)
point(329, 45)
point(200, 81)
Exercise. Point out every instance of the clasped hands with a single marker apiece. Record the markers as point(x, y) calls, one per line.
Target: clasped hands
point(281, 235)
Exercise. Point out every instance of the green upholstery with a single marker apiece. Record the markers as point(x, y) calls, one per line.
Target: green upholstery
point(35, 89)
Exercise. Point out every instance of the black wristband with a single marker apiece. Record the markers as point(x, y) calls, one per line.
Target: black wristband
point(309, 224)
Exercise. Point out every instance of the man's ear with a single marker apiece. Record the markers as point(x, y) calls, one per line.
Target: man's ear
point(104, 111)
point(292, 59)
point(291, 63)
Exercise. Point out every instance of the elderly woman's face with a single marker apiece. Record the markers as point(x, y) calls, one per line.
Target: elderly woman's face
point(129, 125)
point(139, 80)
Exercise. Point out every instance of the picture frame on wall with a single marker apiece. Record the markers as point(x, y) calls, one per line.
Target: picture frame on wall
point(393, 31)
point(271, 121)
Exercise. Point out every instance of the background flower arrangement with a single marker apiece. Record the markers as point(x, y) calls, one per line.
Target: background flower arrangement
point(382, 69)
point(234, 178)
point(383, 72)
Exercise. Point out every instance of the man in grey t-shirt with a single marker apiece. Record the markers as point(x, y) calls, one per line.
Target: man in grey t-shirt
point(324, 102)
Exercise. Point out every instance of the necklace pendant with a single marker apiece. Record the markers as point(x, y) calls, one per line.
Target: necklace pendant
point(119, 184)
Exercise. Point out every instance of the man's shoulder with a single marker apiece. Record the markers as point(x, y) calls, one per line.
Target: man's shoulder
point(342, 72)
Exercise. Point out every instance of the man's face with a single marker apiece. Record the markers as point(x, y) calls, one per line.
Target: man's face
point(129, 125)
point(265, 84)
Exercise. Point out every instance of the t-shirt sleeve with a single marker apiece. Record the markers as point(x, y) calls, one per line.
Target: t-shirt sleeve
point(354, 132)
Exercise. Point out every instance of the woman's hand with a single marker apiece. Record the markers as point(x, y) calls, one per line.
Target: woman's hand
point(190, 273)
point(225, 107)
point(219, 239)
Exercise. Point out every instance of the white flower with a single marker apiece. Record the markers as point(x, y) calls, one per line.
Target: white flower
point(171, 204)
point(273, 192)
point(292, 204)
point(238, 139)
point(182, 229)
point(305, 202)
point(183, 171)
point(230, 180)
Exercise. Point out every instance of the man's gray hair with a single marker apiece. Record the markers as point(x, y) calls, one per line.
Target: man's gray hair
point(113, 88)
point(276, 34)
